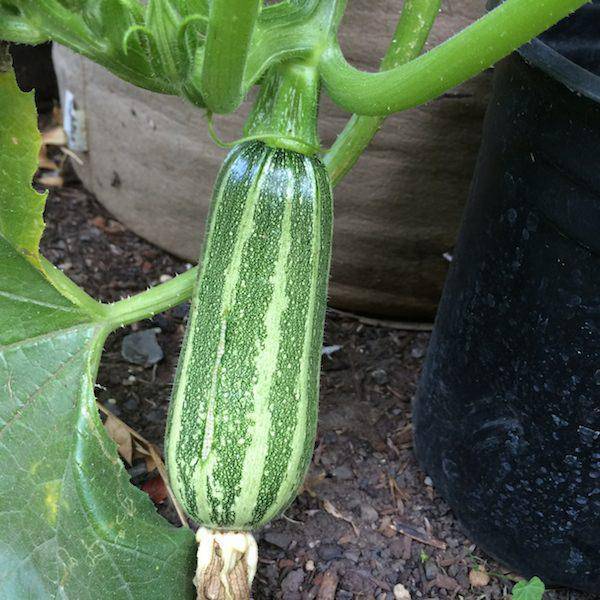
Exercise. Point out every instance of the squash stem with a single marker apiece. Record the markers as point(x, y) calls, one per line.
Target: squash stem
point(231, 26)
point(474, 49)
point(285, 112)
point(155, 300)
point(411, 33)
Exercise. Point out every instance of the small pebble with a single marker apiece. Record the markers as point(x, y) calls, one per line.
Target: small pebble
point(368, 513)
point(329, 350)
point(280, 540)
point(329, 551)
point(343, 472)
point(142, 348)
point(417, 352)
point(292, 582)
point(478, 578)
point(401, 593)
point(131, 405)
point(431, 570)
point(379, 376)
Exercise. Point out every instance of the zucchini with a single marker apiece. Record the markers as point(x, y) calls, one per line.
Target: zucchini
point(243, 412)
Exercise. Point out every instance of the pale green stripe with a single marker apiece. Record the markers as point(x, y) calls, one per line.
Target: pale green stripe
point(231, 277)
point(267, 360)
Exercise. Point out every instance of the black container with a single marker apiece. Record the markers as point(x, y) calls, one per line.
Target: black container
point(507, 418)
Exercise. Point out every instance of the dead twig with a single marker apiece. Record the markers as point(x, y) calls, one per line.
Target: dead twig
point(334, 512)
point(401, 325)
point(422, 538)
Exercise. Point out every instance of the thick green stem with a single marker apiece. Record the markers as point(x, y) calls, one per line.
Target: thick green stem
point(230, 28)
point(69, 289)
point(471, 51)
point(285, 112)
point(155, 300)
point(410, 36)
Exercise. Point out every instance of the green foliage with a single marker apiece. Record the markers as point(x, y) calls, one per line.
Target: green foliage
point(21, 207)
point(529, 590)
point(195, 49)
point(145, 45)
point(71, 525)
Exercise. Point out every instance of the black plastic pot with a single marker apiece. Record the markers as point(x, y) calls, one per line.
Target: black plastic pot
point(507, 417)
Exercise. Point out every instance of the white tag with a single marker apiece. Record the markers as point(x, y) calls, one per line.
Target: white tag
point(74, 124)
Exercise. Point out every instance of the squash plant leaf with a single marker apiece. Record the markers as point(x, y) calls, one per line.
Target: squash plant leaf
point(529, 590)
point(71, 524)
point(21, 207)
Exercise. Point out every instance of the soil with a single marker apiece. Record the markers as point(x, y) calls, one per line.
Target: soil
point(368, 518)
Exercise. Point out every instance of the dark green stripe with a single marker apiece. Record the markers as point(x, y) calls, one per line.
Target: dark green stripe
point(237, 177)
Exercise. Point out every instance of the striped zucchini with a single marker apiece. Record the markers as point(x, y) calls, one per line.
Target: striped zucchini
point(243, 413)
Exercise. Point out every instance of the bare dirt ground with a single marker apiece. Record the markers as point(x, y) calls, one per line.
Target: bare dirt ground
point(368, 517)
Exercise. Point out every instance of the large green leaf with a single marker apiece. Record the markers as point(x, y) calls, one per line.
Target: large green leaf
point(71, 524)
point(21, 207)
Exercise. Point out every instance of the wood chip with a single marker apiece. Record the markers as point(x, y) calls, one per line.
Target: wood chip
point(44, 162)
point(51, 180)
point(328, 586)
point(402, 325)
point(446, 582)
point(55, 136)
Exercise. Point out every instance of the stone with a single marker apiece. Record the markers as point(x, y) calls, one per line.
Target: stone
point(292, 582)
point(380, 376)
point(368, 513)
point(343, 472)
point(329, 551)
point(431, 570)
point(401, 593)
point(278, 539)
point(142, 348)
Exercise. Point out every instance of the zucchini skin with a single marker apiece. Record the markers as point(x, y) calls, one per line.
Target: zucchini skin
point(243, 413)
